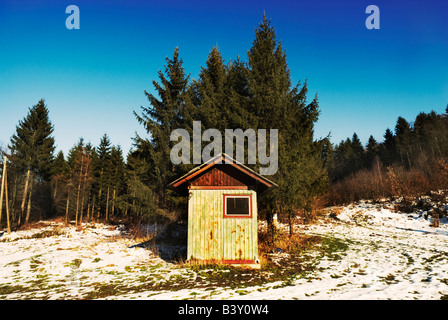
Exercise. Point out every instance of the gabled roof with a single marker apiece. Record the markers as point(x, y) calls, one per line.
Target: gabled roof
point(218, 160)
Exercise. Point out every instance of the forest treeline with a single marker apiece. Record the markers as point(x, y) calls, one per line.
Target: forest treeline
point(99, 182)
point(411, 160)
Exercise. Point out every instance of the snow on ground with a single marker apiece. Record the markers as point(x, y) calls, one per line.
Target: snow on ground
point(389, 256)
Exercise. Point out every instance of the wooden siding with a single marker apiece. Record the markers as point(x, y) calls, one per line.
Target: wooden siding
point(216, 177)
point(211, 237)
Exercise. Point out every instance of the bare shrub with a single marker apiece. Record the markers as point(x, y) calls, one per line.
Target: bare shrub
point(285, 242)
point(407, 183)
point(364, 184)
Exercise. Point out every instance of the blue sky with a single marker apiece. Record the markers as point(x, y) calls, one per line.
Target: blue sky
point(93, 78)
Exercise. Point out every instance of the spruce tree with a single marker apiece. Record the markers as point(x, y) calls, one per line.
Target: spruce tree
point(403, 134)
point(268, 78)
point(371, 151)
point(118, 176)
point(343, 157)
point(80, 179)
point(139, 200)
point(358, 159)
point(237, 94)
point(60, 173)
point(32, 148)
point(165, 114)
point(388, 148)
point(328, 156)
point(33, 143)
point(276, 104)
point(209, 93)
point(103, 174)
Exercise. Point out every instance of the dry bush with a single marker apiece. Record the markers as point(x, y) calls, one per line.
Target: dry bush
point(439, 175)
point(407, 183)
point(395, 181)
point(284, 242)
point(314, 209)
point(365, 184)
point(418, 183)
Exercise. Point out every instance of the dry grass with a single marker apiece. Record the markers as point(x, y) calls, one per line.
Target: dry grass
point(282, 241)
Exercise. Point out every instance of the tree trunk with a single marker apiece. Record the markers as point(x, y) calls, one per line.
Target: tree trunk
point(25, 192)
point(55, 191)
point(8, 225)
point(88, 211)
point(84, 189)
point(100, 193)
point(79, 190)
point(77, 203)
point(93, 207)
point(113, 203)
point(99, 203)
point(2, 189)
point(28, 211)
point(107, 204)
point(66, 207)
point(82, 207)
point(13, 200)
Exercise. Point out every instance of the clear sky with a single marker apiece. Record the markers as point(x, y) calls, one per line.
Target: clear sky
point(93, 78)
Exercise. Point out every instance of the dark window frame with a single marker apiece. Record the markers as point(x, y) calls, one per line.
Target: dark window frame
point(240, 216)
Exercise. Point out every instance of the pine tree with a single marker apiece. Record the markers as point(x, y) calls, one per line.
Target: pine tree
point(32, 148)
point(59, 174)
point(343, 157)
point(102, 168)
point(328, 156)
point(80, 177)
point(358, 159)
point(237, 94)
point(277, 105)
point(209, 93)
point(139, 200)
point(403, 134)
point(268, 78)
point(118, 172)
point(387, 149)
point(371, 151)
point(165, 114)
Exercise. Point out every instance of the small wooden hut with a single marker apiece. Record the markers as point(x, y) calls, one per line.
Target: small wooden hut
point(222, 211)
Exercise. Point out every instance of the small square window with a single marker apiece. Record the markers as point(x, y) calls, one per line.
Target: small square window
point(237, 206)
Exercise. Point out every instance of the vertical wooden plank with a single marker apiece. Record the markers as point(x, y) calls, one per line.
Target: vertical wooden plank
point(193, 222)
point(200, 230)
point(211, 237)
point(197, 235)
point(220, 230)
point(202, 224)
point(216, 205)
point(190, 225)
point(210, 204)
